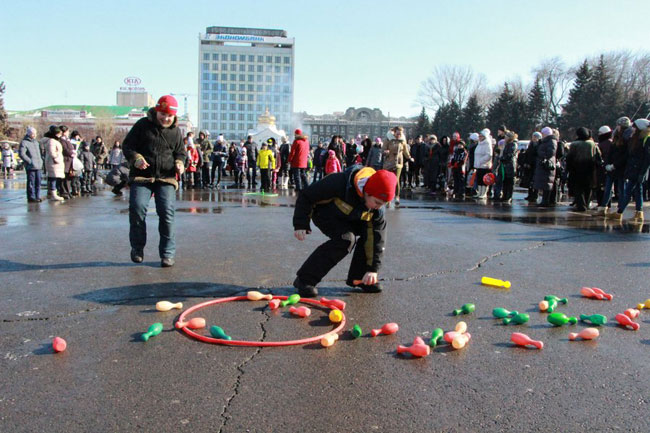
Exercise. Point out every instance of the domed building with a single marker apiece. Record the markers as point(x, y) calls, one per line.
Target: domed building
point(266, 129)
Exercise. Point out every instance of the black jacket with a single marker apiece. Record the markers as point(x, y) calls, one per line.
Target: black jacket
point(160, 147)
point(251, 153)
point(334, 198)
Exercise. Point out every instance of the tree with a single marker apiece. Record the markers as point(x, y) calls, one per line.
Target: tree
point(509, 109)
point(535, 107)
point(447, 119)
point(576, 110)
point(423, 125)
point(4, 119)
point(472, 117)
point(450, 83)
point(555, 80)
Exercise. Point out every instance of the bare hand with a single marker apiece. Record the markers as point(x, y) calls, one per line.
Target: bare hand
point(300, 234)
point(370, 278)
point(141, 164)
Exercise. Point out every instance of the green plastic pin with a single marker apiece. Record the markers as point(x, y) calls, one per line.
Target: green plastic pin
point(356, 331)
point(218, 332)
point(595, 319)
point(559, 319)
point(502, 313)
point(465, 309)
point(518, 319)
point(556, 299)
point(436, 336)
point(291, 300)
point(154, 330)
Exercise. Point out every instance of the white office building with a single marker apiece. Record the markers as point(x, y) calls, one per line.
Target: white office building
point(242, 73)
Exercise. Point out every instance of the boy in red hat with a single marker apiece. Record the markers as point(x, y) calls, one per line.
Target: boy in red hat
point(345, 206)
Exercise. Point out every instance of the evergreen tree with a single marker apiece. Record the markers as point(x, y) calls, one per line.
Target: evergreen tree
point(472, 118)
point(604, 100)
point(509, 109)
point(535, 107)
point(423, 125)
point(4, 123)
point(576, 111)
point(447, 119)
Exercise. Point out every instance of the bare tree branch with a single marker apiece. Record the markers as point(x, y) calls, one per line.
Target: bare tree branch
point(450, 83)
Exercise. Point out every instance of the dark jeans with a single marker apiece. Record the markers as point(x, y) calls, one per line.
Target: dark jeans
point(582, 193)
point(251, 173)
point(165, 196)
point(87, 185)
point(299, 176)
point(205, 174)
point(318, 174)
point(631, 188)
point(217, 168)
point(266, 182)
point(508, 188)
point(33, 184)
point(618, 184)
point(54, 184)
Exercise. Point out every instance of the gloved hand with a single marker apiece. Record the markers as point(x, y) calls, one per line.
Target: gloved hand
point(609, 167)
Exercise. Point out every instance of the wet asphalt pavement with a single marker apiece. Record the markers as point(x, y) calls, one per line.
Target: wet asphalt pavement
point(65, 271)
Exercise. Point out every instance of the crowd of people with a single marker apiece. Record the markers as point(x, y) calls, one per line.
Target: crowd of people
point(611, 165)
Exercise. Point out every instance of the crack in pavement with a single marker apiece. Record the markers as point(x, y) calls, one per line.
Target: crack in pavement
point(224, 414)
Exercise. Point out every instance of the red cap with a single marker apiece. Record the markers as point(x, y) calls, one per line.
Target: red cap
point(381, 185)
point(297, 132)
point(167, 104)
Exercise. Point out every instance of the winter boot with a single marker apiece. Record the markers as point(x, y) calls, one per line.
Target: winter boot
point(614, 216)
point(638, 217)
point(601, 211)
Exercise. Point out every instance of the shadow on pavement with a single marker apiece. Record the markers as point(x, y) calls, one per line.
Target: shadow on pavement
point(9, 266)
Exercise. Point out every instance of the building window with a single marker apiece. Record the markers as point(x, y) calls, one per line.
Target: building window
point(242, 58)
point(206, 66)
point(260, 58)
point(249, 107)
point(215, 106)
point(250, 86)
point(268, 68)
point(251, 68)
point(215, 66)
point(215, 57)
point(232, 125)
point(242, 68)
point(251, 78)
point(233, 87)
point(269, 59)
point(268, 79)
point(206, 86)
point(206, 106)
point(242, 97)
point(260, 88)
point(232, 97)
point(233, 57)
point(278, 59)
point(224, 106)
point(251, 58)
point(240, 117)
point(206, 56)
point(287, 60)
point(224, 66)
point(224, 57)
point(233, 77)
point(242, 77)
point(214, 77)
point(260, 68)
point(206, 76)
point(242, 87)
point(287, 69)
point(233, 67)
point(241, 107)
point(224, 77)
point(214, 116)
point(232, 116)
point(251, 97)
point(260, 107)
point(259, 78)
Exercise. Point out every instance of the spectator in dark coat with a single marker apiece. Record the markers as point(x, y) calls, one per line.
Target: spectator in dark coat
point(545, 165)
point(30, 153)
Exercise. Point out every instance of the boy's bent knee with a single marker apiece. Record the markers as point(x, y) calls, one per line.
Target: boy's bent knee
point(350, 239)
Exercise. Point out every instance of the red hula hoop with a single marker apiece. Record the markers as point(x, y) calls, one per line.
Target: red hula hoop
point(213, 340)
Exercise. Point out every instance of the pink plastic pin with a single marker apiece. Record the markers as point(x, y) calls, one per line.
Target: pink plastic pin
point(623, 320)
point(388, 328)
point(333, 303)
point(523, 340)
point(585, 334)
point(59, 344)
point(587, 292)
point(300, 311)
point(417, 350)
point(632, 313)
point(607, 296)
point(194, 323)
point(274, 304)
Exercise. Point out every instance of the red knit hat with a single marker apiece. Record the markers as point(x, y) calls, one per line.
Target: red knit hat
point(167, 104)
point(381, 185)
point(297, 132)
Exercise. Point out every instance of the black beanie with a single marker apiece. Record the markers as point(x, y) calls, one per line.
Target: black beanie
point(583, 133)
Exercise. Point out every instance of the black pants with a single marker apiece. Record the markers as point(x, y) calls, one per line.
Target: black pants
point(582, 191)
point(299, 176)
point(205, 174)
point(508, 187)
point(342, 240)
point(87, 185)
point(266, 182)
point(459, 183)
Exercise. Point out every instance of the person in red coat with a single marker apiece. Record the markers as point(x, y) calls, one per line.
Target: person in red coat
point(298, 157)
point(193, 175)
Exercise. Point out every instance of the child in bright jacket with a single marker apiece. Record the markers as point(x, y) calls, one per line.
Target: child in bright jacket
point(332, 165)
point(266, 162)
point(343, 206)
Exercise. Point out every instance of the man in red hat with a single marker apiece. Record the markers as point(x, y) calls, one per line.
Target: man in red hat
point(345, 206)
point(155, 151)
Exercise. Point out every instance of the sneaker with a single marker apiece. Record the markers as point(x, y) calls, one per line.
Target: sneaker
point(136, 256)
point(305, 290)
point(166, 262)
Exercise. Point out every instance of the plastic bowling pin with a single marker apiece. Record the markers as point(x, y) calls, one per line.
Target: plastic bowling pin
point(194, 323)
point(632, 313)
point(387, 329)
point(300, 311)
point(356, 331)
point(460, 340)
point(291, 300)
point(645, 304)
point(502, 313)
point(556, 299)
point(449, 336)
point(218, 332)
point(623, 320)
point(336, 316)
point(588, 293)
point(607, 296)
point(329, 340)
point(465, 309)
point(417, 350)
point(333, 303)
point(585, 334)
point(153, 330)
point(461, 327)
point(548, 305)
point(59, 344)
point(559, 319)
point(519, 319)
point(257, 296)
point(595, 319)
point(524, 340)
point(274, 304)
point(436, 336)
point(487, 281)
point(166, 305)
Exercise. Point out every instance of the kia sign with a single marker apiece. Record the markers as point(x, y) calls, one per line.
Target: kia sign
point(132, 81)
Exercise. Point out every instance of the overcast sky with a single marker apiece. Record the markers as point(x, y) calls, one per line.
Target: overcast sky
point(348, 53)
